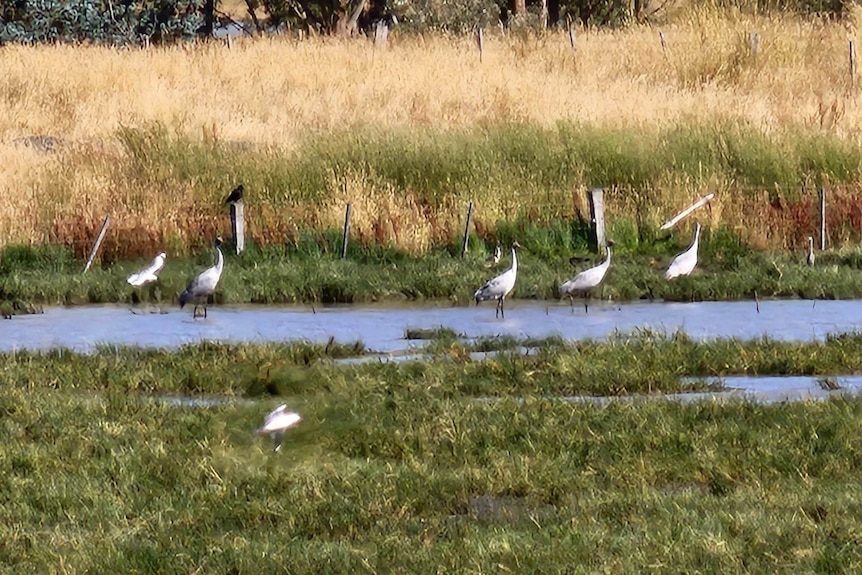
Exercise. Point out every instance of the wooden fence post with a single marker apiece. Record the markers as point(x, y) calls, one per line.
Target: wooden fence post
point(98, 243)
point(381, 34)
point(572, 38)
point(467, 229)
point(663, 43)
point(597, 217)
point(480, 41)
point(822, 218)
point(345, 232)
point(237, 225)
point(754, 44)
point(852, 64)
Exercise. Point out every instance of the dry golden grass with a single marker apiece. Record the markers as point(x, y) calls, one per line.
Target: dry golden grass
point(273, 92)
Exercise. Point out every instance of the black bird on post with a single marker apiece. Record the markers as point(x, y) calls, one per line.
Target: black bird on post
point(235, 195)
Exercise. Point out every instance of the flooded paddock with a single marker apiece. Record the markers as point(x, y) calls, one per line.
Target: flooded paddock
point(382, 328)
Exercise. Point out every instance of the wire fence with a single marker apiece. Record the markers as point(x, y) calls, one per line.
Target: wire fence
point(763, 218)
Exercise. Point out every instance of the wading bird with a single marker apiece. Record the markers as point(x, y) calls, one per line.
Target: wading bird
point(235, 195)
point(810, 259)
point(204, 284)
point(684, 263)
point(276, 423)
point(499, 287)
point(494, 258)
point(149, 273)
point(586, 281)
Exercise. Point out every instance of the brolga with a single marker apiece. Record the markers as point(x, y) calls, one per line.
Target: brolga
point(684, 263)
point(586, 281)
point(276, 423)
point(810, 258)
point(150, 273)
point(204, 284)
point(499, 287)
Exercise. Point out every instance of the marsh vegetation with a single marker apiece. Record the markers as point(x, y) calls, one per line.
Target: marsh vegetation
point(399, 468)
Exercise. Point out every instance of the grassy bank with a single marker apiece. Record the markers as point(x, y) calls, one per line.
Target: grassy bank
point(156, 138)
point(313, 273)
point(643, 362)
point(409, 189)
point(399, 469)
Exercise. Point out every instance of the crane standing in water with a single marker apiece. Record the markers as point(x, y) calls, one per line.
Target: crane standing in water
point(204, 284)
point(586, 281)
point(499, 287)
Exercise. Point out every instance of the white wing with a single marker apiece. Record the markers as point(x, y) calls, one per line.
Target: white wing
point(497, 287)
point(149, 273)
point(585, 280)
point(279, 420)
point(683, 264)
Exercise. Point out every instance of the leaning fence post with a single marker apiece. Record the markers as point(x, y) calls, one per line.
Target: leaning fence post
point(467, 229)
point(480, 41)
point(852, 64)
point(237, 225)
point(98, 243)
point(822, 218)
point(754, 44)
point(345, 232)
point(597, 217)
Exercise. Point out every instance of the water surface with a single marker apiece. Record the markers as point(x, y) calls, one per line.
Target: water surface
point(382, 327)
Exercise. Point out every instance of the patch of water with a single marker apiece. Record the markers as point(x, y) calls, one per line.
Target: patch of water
point(761, 389)
point(382, 328)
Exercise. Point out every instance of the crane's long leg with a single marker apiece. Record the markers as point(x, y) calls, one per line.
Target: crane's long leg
point(497, 310)
point(502, 312)
point(586, 302)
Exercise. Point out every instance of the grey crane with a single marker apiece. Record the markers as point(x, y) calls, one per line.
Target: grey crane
point(584, 282)
point(499, 287)
point(204, 284)
point(684, 263)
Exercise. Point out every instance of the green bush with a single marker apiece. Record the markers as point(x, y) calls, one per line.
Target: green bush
point(101, 21)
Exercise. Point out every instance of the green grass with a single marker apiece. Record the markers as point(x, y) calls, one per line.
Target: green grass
point(399, 469)
point(726, 271)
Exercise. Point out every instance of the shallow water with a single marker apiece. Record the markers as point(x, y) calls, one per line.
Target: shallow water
point(760, 389)
point(382, 327)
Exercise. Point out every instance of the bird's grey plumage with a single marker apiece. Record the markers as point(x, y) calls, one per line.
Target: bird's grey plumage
point(810, 258)
point(149, 273)
point(499, 287)
point(276, 423)
point(684, 263)
point(204, 284)
point(584, 282)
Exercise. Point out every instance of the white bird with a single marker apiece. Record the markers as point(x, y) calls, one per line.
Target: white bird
point(494, 258)
point(584, 282)
point(810, 259)
point(683, 264)
point(204, 284)
point(499, 287)
point(150, 273)
point(276, 423)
